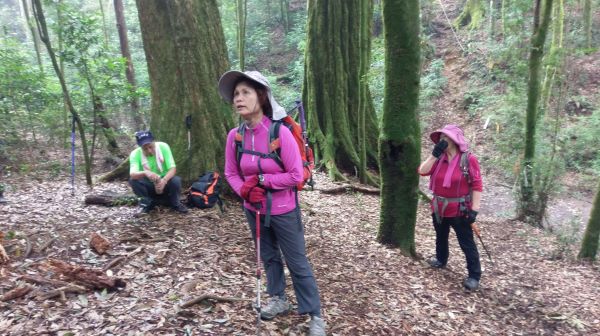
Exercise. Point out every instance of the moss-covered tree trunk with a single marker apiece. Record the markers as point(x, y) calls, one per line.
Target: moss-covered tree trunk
point(186, 54)
point(527, 209)
point(399, 140)
point(332, 85)
point(589, 244)
point(471, 15)
point(555, 56)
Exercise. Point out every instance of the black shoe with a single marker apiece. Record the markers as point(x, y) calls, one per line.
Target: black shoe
point(181, 208)
point(471, 284)
point(435, 263)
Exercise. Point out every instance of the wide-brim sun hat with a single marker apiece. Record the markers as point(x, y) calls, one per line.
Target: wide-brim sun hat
point(230, 78)
point(454, 133)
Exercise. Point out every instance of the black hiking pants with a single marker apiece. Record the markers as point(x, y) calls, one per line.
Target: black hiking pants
point(144, 188)
point(464, 234)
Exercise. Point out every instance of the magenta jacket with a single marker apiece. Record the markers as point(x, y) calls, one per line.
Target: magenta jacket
point(458, 185)
point(281, 181)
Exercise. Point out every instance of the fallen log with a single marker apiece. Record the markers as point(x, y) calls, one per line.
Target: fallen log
point(211, 297)
point(86, 277)
point(16, 293)
point(119, 173)
point(350, 187)
point(111, 199)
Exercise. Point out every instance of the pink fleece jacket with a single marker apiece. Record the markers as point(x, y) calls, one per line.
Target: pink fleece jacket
point(281, 181)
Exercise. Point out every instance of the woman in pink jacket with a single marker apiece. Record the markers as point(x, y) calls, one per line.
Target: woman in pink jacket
point(456, 198)
point(265, 185)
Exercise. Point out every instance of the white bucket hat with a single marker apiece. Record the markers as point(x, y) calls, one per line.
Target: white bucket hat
point(229, 79)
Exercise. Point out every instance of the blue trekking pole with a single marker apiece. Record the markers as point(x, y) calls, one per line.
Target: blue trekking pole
point(73, 156)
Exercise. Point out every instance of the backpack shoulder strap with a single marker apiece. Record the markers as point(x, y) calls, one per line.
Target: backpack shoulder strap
point(464, 165)
point(274, 143)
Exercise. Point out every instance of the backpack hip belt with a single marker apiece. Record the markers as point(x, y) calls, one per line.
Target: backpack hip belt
point(445, 200)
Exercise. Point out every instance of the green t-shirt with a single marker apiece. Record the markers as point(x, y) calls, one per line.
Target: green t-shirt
point(135, 160)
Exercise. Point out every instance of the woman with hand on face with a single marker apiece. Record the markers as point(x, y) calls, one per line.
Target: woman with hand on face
point(265, 185)
point(456, 198)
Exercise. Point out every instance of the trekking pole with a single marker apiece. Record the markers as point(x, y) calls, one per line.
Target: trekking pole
point(188, 125)
point(485, 248)
point(258, 271)
point(73, 156)
point(310, 182)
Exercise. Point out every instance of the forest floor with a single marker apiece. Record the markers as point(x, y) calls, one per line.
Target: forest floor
point(534, 286)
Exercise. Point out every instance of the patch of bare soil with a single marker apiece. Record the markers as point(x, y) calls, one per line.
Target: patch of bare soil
point(168, 259)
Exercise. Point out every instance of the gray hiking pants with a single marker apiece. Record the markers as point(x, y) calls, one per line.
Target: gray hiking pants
point(286, 232)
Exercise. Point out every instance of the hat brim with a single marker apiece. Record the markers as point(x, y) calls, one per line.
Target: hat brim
point(145, 141)
point(228, 80)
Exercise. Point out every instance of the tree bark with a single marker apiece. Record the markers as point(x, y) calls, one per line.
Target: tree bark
point(399, 140)
point(333, 82)
point(587, 23)
point(241, 11)
point(527, 209)
point(43, 30)
point(34, 36)
point(186, 54)
point(111, 199)
point(589, 244)
point(129, 69)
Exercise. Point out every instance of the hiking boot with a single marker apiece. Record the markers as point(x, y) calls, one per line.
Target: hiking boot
point(435, 263)
point(471, 284)
point(143, 211)
point(275, 306)
point(181, 208)
point(316, 327)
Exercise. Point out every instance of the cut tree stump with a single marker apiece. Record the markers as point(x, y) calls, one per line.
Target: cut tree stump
point(111, 199)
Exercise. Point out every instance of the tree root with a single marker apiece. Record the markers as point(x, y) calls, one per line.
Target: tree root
point(205, 297)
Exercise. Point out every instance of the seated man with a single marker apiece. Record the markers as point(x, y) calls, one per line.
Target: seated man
point(152, 174)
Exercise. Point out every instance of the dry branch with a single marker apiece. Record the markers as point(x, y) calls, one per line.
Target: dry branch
point(211, 297)
point(46, 245)
point(61, 292)
point(16, 293)
point(43, 281)
point(117, 260)
point(350, 187)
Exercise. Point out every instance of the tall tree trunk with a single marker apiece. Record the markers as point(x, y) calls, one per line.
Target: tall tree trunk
point(587, 23)
point(38, 12)
point(589, 244)
point(34, 35)
point(365, 100)
point(399, 140)
point(129, 70)
point(527, 209)
point(332, 85)
point(104, 27)
point(241, 11)
point(186, 54)
point(471, 15)
point(284, 8)
point(555, 57)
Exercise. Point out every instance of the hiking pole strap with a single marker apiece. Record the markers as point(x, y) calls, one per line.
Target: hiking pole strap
point(73, 156)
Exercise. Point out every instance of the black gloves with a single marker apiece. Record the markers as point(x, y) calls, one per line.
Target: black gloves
point(471, 216)
point(439, 148)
